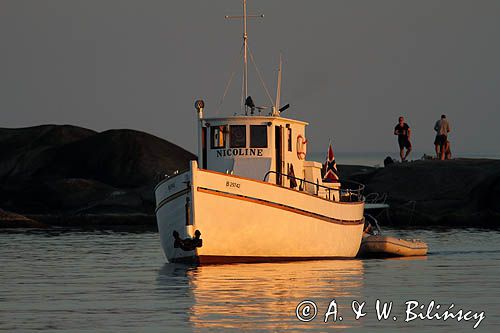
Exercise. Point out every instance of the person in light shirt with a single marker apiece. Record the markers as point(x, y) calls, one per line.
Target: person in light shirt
point(442, 128)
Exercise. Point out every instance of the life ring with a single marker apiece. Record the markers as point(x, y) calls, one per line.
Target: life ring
point(301, 147)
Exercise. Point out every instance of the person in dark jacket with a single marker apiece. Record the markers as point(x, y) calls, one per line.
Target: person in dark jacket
point(403, 131)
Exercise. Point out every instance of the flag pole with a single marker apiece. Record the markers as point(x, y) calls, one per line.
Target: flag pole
point(328, 149)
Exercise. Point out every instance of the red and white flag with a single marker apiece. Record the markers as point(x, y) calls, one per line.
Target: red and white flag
point(331, 174)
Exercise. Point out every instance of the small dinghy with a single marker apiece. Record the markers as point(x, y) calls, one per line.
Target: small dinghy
point(387, 246)
point(376, 245)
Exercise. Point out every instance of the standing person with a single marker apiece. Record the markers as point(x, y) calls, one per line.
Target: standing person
point(447, 151)
point(403, 131)
point(442, 128)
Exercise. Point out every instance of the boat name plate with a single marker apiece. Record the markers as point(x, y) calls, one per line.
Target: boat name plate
point(240, 152)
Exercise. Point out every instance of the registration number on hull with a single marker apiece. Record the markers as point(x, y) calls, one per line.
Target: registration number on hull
point(232, 184)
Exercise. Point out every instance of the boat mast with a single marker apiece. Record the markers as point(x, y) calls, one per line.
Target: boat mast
point(245, 47)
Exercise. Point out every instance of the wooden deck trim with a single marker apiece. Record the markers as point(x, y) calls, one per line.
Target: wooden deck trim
point(279, 206)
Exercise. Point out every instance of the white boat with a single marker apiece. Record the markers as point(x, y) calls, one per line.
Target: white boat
point(253, 197)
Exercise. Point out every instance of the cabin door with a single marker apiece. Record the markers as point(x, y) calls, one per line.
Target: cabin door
point(278, 135)
point(204, 147)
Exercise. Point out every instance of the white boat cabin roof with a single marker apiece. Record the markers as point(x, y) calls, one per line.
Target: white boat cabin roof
point(250, 119)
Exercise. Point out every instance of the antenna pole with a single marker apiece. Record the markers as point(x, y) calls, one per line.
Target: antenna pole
point(245, 46)
point(278, 92)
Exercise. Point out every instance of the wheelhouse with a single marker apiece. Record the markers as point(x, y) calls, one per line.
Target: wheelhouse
point(259, 147)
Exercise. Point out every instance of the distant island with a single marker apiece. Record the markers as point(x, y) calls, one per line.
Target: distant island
point(71, 176)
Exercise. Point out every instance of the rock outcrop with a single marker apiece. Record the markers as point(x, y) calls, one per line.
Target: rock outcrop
point(13, 220)
point(70, 171)
point(461, 192)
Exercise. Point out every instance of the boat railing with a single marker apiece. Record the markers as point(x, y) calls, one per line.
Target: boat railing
point(349, 191)
point(166, 177)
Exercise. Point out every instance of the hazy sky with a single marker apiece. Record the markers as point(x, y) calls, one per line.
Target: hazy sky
point(350, 67)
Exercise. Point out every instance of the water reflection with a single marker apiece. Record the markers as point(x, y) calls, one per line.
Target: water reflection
point(77, 281)
point(265, 296)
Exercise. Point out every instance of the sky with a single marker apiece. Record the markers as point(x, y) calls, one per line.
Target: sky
point(350, 68)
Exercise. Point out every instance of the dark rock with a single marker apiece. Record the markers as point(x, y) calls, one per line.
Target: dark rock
point(121, 158)
point(358, 173)
point(70, 194)
point(27, 150)
point(71, 171)
point(431, 192)
point(13, 220)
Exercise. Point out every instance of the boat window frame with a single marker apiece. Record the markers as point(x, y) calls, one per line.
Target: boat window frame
point(289, 139)
point(222, 129)
point(231, 144)
point(253, 137)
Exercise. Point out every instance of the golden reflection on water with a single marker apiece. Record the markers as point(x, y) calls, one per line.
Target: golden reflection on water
point(265, 296)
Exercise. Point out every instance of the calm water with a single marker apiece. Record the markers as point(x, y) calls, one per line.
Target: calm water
point(118, 282)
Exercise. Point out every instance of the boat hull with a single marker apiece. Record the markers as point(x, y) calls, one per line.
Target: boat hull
point(243, 220)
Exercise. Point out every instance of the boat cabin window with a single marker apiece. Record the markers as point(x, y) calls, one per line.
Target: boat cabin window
point(218, 139)
point(237, 136)
point(258, 136)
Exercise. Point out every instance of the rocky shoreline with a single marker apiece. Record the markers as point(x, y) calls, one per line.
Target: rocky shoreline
point(70, 176)
point(459, 192)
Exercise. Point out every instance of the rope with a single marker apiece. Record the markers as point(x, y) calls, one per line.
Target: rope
point(243, 82)
point(260, 76)
point(243, 97)
point(235, 62)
